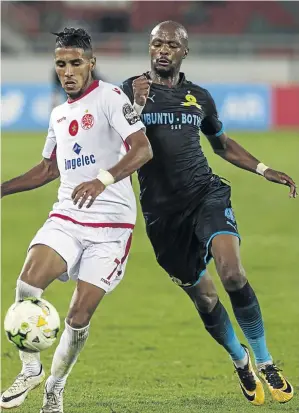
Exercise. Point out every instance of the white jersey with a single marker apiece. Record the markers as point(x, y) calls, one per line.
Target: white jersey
point(86, 135)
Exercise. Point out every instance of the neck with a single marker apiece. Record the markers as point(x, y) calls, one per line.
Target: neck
point(82, 91)
point(170, 81)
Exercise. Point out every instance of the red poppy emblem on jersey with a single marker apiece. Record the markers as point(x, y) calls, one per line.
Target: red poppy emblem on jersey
point(73, 128)
point(87, 121)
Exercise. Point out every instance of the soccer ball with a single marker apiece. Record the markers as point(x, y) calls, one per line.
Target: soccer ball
point(32, 324)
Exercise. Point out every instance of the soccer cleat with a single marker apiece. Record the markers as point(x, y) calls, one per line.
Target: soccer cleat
point(53, 401)
point(280, 389)
point(250, 384)
point(18, 391)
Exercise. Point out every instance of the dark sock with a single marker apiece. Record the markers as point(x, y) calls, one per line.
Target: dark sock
point(248, 314)
point(218, 324)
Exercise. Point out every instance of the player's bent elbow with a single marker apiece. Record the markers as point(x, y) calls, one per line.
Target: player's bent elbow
point(149, 151)
point(139, 141)
point(144, 152)
point(50, 170)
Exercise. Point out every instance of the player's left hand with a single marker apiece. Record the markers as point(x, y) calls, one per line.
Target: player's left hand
point(88, 191)
point(283, 179)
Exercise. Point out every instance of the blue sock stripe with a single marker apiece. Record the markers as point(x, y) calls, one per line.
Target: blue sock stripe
point(251, 323)
point(254, 327)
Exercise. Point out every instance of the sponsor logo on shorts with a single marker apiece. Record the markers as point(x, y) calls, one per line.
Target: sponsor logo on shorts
point(229, 213)
point(105, 281)
point(179, 282)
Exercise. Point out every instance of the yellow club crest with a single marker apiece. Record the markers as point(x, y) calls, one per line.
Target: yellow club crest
point(191, 101)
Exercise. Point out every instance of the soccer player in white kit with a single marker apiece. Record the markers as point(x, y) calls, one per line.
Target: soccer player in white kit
point(95, 142)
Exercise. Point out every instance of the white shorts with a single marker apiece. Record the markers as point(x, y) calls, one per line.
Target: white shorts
point(95, 255)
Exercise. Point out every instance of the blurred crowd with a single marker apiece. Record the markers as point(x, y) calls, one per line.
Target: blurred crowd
point(114, 24)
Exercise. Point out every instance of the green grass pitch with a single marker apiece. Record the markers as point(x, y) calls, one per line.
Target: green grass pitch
point(148, 351)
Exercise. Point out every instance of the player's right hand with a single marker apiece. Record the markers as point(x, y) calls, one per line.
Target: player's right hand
point(141, 87)
point(87, 191)
point(283, 179)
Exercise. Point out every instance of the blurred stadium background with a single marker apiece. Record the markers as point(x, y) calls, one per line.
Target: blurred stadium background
point(147, 351)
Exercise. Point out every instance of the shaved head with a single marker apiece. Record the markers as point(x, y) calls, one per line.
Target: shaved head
point(168, 47)
point(173, 27)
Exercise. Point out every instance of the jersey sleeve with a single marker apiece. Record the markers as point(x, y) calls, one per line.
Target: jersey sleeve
point(127, 88)
point(49, 151)
point(121, 115)
point(211, 125)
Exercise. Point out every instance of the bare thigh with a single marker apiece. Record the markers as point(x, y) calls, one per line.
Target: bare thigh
point(226, 253)
point(42, 266)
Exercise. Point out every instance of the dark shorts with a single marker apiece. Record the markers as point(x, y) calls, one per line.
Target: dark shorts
point(182, 241)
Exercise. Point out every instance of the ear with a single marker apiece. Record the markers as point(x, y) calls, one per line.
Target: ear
point(186, 53)
point(93, 62)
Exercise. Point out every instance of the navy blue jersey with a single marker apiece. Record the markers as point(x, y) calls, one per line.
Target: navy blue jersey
point(179, 172)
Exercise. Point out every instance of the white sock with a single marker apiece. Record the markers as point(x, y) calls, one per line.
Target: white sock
point(261, 366)
point(66, 354)
point(31, 361)
point(25, 290)
point(241, 363)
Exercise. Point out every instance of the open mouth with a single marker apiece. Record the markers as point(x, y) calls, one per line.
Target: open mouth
point(70, 83)
point(163, 61)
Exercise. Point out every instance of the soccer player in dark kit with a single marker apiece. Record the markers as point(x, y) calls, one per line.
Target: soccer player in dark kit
point(187, 209)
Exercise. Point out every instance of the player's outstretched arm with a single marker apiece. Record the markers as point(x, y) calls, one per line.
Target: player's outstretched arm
point(234, 153)
point(43, 173)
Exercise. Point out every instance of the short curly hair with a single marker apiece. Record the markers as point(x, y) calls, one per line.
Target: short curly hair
point(71, 37)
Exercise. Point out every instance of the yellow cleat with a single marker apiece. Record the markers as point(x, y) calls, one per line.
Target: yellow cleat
point(250, 384)
point(280, 389)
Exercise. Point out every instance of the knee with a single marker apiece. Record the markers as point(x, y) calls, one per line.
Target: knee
point(206, 302)
point(78, 317)
point(232, 276)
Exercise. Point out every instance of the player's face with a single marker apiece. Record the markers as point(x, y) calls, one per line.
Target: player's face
point(73, 67)
point(167, 50)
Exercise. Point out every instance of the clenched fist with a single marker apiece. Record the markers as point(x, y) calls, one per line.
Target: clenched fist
point(141, 87)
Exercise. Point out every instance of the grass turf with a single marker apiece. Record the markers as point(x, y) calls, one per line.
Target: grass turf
point(148, 351)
